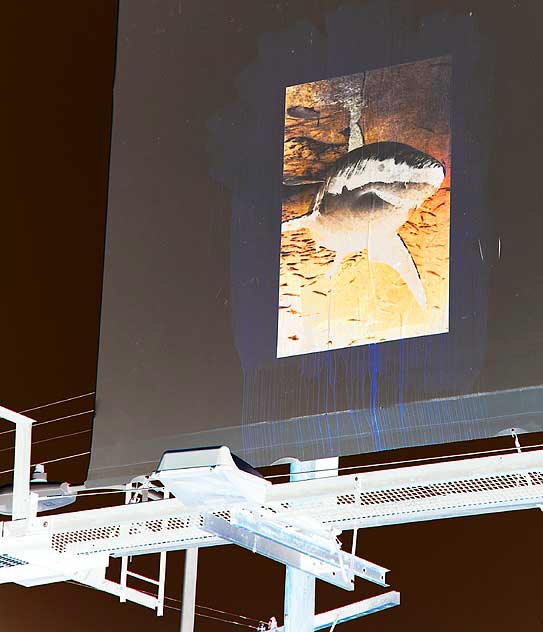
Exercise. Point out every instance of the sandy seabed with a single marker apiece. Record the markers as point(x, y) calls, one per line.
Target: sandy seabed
point(363, 302)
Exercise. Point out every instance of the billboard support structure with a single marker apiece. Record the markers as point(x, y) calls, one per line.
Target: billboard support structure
point(295, 522)
point(189, 591)
point(21, 474)
point(300, 586)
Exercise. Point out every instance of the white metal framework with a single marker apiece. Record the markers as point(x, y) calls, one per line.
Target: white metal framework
point(295, 523)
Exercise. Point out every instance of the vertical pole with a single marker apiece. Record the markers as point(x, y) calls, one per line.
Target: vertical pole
point(162, 572)
point(21, 471)
point(300, 586)
point(124, 558)
point(124, 575)
point(299, 601)
point(188, 605)
point(21, 474)
point(161, 583)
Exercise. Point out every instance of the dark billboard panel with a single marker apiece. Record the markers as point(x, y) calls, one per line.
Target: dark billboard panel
point(323, 230)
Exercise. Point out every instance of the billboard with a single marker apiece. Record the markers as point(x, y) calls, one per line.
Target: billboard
point(317, 243)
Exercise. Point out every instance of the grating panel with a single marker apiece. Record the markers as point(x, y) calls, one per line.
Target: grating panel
point(132, 535)
point(377, 498)
point(492, 483)
point(7, 561)
point(62, 541)
point(435, 500)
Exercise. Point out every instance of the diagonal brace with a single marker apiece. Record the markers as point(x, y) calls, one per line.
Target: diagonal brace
point(354, 610)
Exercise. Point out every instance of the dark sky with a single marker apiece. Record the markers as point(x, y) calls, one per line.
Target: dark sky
point(480, 573)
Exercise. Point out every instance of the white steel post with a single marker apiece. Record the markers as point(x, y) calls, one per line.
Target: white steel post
point(162, 573)
point(124, 558)
point(124, 575)
point(161, 583)
point(299, 601)
point(21, 472)
point(300, 586)
point(188, 605)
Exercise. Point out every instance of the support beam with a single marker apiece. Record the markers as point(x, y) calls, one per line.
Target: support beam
point(324, 569)
point(299, 586)
point(124, 576)
point(162, 583)
point(188, 605)
point(299, 601)
point(353, 611)
point(98, 581)
point(315, 544)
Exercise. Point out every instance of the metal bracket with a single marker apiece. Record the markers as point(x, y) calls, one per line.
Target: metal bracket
point(323, 569)
point(311, 545)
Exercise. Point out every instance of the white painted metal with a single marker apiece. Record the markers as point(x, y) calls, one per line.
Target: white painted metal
point(415, 475)
point(129, 529)
point(188, 604)
point(143, 578)
point(473, 486)
point(162, 574)
point(315, 542)
point(329, 571)
point(354, 610)
point(162, 583)
point(21, 473)
point(310, 470)
point(290, 534)
point(30, 566)
point(422, 492)
point(293, 518)
point(209, 478)
point(97, 580)
point(125, 558)
point(300, 586)
point(124, 577)
point(299, 601)
point(124, 591)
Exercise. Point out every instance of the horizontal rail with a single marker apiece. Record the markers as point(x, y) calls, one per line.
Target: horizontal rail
point(143, 578)
point(408, 494)
point(465, 469)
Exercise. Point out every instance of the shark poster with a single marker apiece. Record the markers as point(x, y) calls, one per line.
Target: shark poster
point(365, 227)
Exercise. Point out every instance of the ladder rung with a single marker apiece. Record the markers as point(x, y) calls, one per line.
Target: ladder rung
point(145, 579)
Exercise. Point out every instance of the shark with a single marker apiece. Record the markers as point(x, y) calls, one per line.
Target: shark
point(365, 198)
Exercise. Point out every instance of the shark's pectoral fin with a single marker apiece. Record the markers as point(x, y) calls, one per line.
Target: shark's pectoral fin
point(305, 221)
point(335, 265)
point(390, 249)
